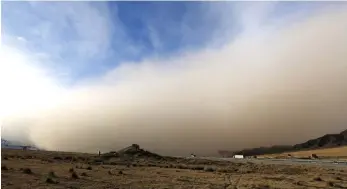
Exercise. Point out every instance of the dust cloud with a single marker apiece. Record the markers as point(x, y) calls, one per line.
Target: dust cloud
point(282, 87)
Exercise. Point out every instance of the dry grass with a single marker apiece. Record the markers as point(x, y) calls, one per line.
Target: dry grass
point(339, 152)
point(50, 172)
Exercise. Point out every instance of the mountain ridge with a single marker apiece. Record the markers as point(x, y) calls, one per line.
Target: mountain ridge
point(325, 141)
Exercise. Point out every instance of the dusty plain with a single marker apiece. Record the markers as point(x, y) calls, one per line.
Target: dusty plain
point(45, 169)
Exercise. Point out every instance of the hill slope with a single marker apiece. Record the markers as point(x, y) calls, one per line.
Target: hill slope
point(326, 141)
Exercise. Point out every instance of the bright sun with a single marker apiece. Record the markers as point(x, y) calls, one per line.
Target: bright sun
point(24, 89)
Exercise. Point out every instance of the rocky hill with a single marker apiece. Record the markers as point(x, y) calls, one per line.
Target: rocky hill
point(329, 140)
point(133, 151)
point(326, 141)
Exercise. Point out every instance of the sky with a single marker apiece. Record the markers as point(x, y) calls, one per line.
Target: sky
point(174, 77)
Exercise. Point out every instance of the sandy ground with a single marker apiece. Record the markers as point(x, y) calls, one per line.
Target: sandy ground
point(28, 169)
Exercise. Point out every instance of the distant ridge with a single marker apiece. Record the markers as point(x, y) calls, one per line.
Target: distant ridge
point(326, 141)
point(13, 145)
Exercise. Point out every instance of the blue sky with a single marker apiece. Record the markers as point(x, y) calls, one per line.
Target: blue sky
point(75, 40)
point(84, 39)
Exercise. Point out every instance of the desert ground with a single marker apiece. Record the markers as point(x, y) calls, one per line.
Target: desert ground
point(328, 153)
point(142, 169)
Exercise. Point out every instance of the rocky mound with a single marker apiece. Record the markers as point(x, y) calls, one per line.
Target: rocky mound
point(133, 151)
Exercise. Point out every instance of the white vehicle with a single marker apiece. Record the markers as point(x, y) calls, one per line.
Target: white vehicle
point(238, 156)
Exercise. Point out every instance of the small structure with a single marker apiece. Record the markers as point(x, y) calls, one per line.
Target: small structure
point(135, 146)
point(192, 155)
point(238, 156)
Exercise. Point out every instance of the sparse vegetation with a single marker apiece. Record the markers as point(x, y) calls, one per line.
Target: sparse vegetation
point(197, 167)
point(166, 172)
point(58, 158)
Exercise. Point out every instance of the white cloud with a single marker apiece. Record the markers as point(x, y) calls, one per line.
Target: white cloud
point(73, 34)
point(21, 39)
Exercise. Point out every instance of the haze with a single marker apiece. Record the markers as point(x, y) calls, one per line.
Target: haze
point(284, 85)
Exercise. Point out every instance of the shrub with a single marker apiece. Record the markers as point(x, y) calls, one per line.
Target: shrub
point(330, 184)
point(120, 172)
point(27, 171)
point(90, 168)
point(314, 156)
point(300, 183)
point(181, 166)
point(318, 179)
point(263, 186)
point(52, 174)
point(197, 167)
point(74, 175)
point(84, 174)
point(4, 168)
point(51, 181)
point(209, 169)
point(223, 170)
point(71, 170)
